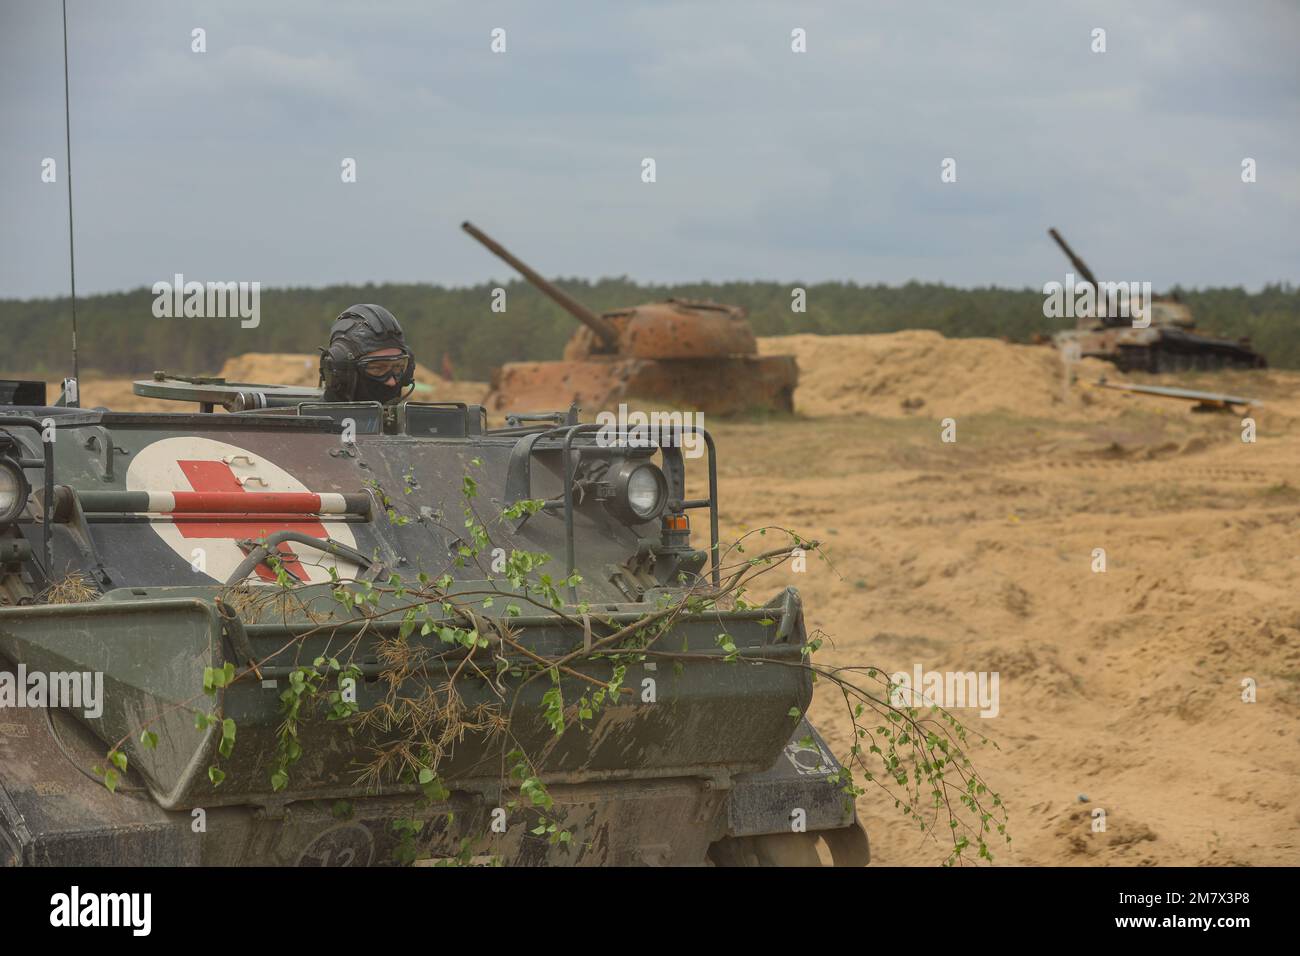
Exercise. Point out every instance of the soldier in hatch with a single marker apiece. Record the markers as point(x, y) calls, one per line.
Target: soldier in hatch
point(367, 359)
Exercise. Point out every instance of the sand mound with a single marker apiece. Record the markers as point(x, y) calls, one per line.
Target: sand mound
point(922, 373)
point(279, 368)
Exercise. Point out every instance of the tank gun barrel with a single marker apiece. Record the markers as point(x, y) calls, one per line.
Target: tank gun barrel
point(1079, 265)
point(603, 329)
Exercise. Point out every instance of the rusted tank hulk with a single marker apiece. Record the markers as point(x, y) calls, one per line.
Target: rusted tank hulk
point(1170, 343)
point(148, 520)
point(683, 352)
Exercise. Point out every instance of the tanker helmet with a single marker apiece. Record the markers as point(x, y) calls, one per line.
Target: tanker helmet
point(367, 359)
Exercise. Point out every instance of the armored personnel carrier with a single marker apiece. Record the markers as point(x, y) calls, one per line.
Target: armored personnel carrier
point(272, 630)
point(1169, 343)
point(677, 352)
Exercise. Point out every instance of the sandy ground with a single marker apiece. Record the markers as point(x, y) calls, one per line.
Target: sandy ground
point(1122, 686)
point(977, 555)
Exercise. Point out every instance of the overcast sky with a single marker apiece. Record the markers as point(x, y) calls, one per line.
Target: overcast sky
point(770, 164)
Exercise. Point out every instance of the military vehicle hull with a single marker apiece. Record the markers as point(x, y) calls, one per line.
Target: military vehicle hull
point(1159, 349)
point(159, 519)
point(1166, 342)
point(719, 386)
point(52, 815)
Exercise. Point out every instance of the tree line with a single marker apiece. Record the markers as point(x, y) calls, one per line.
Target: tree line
point(119, 335)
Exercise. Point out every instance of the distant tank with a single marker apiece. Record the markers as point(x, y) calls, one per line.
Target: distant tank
point(1169, 344)
point(680, 352)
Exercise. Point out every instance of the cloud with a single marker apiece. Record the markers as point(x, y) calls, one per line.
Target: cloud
point(771, 164)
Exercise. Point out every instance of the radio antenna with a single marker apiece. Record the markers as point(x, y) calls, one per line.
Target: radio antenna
point(67, 171)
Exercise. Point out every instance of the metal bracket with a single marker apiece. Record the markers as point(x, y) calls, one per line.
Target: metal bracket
point(68, 511)
point(519, 473)
point(92, 443)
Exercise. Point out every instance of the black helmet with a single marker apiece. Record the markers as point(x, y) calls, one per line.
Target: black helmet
point(346, 373)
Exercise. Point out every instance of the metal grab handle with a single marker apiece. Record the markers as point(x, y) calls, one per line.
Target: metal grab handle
point(568, 501)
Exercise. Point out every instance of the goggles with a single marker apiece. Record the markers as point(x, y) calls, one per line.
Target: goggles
point(384, 367)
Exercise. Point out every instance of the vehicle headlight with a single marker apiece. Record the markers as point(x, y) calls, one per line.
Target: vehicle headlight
point(643, 491)
point(13, 490)
point(640, 491)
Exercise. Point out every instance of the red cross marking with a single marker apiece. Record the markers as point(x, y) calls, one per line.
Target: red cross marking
point(216, 476)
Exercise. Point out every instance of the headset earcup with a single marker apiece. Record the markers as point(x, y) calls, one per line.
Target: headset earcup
point(338, 372)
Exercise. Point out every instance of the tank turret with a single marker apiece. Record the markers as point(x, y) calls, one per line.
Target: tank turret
point(680, 351)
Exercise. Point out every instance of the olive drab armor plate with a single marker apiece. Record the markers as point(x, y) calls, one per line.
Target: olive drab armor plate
point(155, 531)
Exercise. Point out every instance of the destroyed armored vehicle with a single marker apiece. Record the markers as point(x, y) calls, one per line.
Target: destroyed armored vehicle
point(681, 352)
point(301, 633)
point(1167, 341)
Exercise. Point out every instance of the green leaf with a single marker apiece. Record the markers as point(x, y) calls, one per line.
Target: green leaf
point(148, 739)
point(216, 775)
point(227, 737)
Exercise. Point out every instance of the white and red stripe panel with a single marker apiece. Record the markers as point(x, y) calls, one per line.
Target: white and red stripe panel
point(200, 486)
point(225, 502)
